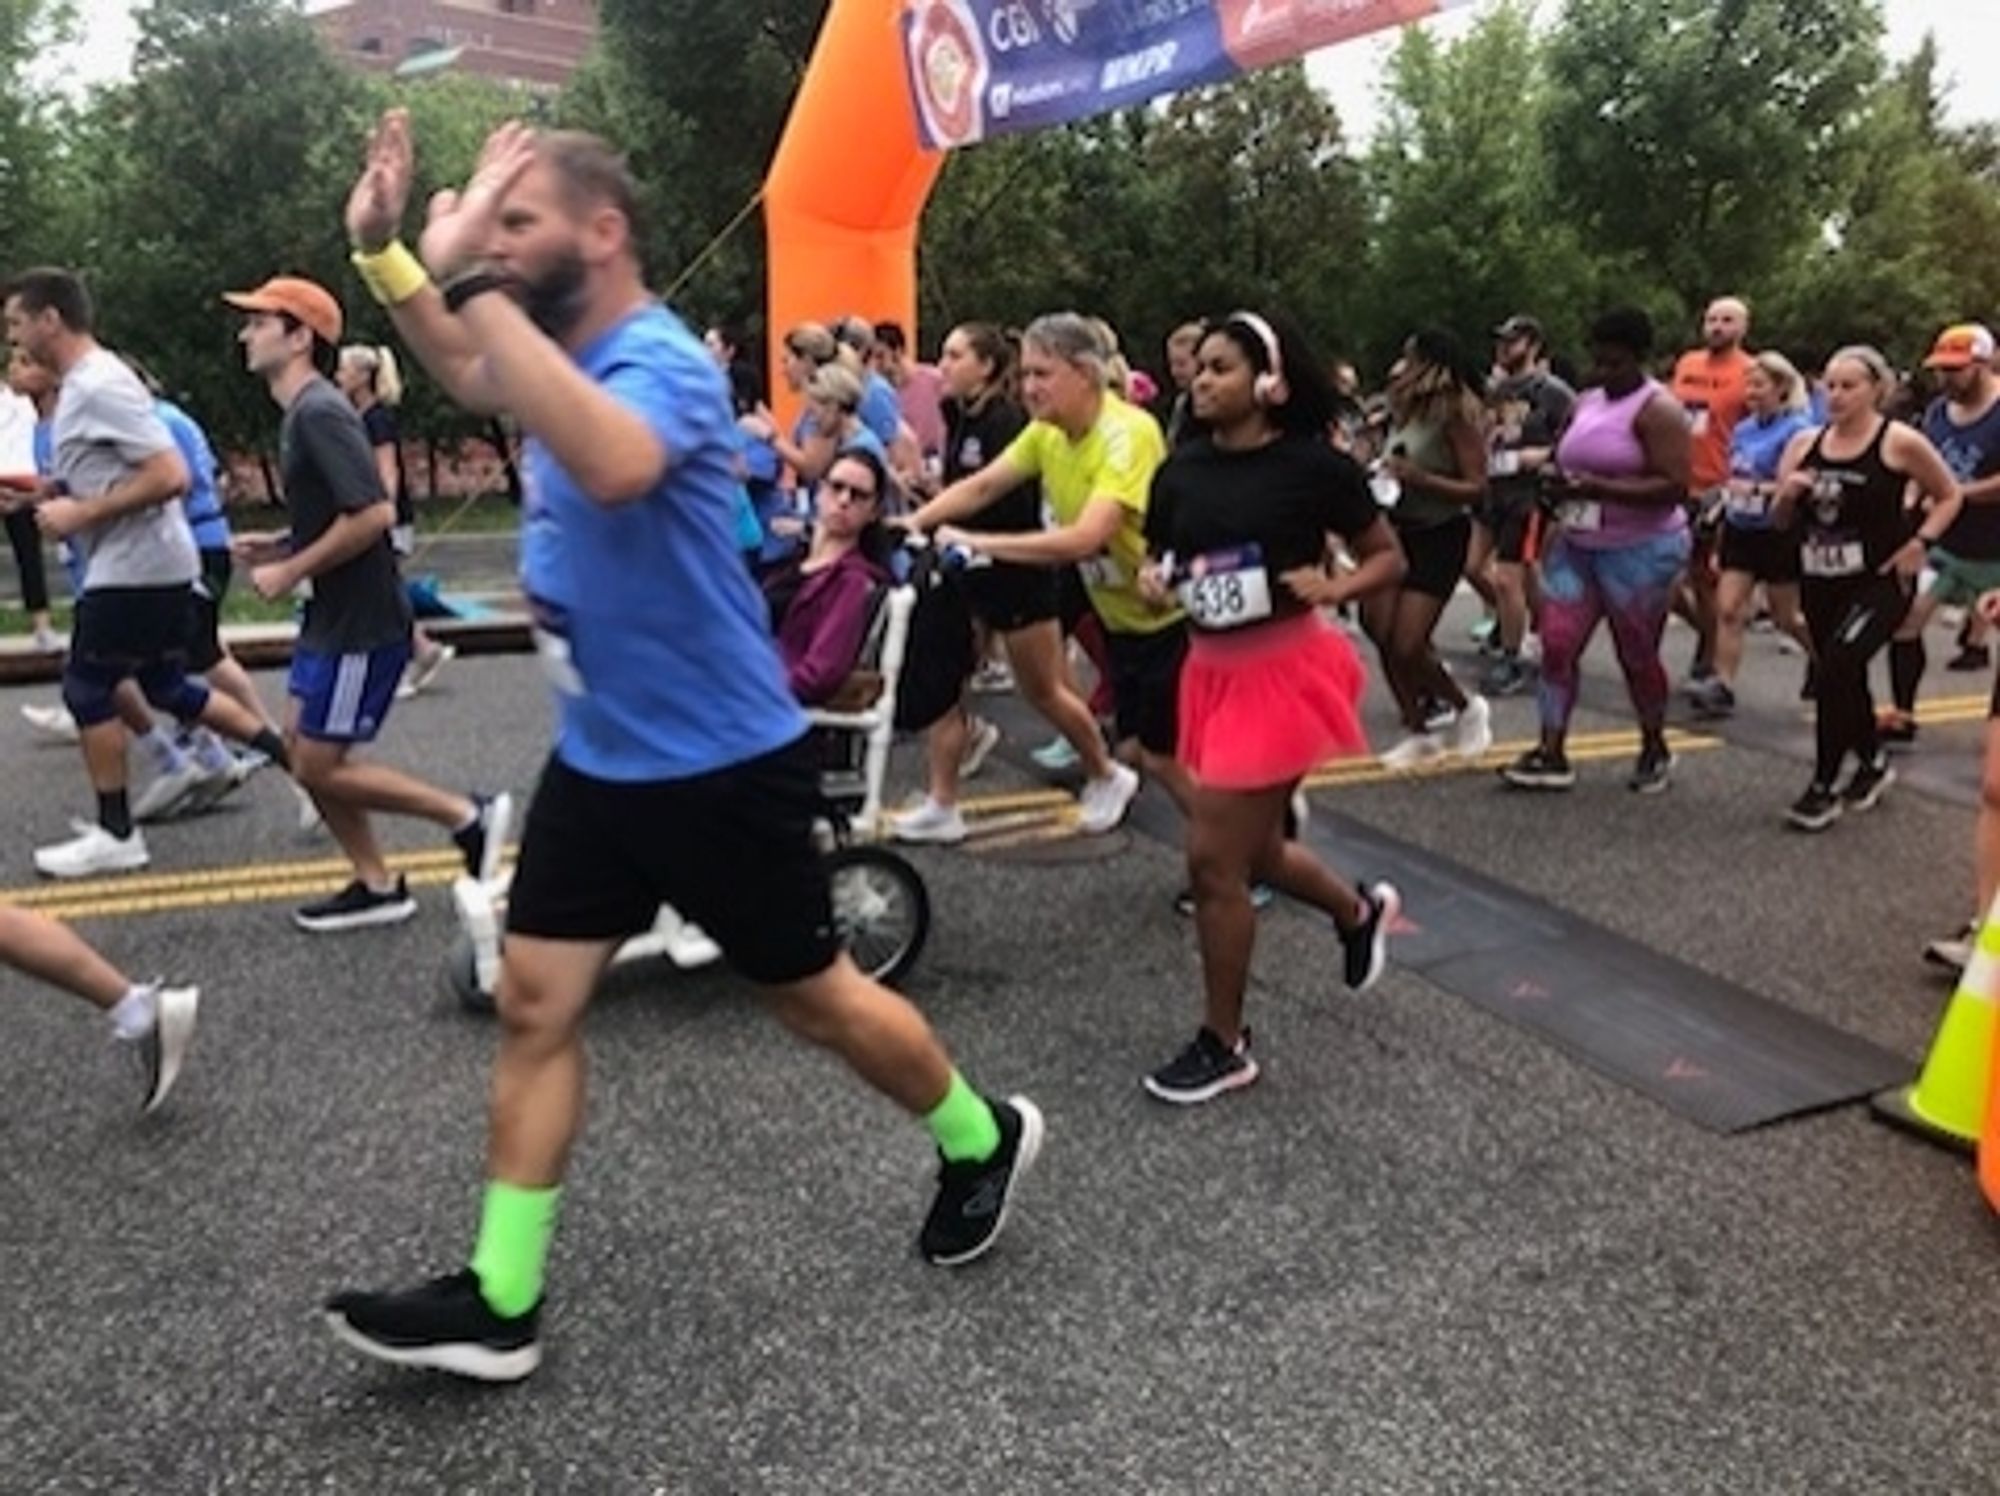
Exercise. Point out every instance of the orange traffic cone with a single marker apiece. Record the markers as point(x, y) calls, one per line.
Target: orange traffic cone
point(1950, 1103)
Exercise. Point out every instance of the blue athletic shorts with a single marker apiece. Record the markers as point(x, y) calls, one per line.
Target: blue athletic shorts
point(344, 698)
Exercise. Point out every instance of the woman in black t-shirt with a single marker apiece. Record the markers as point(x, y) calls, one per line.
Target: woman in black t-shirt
point(1239, 524)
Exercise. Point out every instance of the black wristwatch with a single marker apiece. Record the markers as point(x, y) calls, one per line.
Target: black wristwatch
point(474, 282)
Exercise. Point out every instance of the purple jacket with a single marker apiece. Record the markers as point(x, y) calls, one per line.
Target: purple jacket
point(821, 634)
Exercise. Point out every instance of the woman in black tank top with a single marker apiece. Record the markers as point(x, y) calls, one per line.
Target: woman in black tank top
point(1846, 483)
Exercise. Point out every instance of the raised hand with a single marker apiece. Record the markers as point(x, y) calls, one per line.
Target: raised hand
point(462, 225)
point(381, 193)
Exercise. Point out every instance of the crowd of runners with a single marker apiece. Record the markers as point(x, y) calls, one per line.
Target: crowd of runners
point(1185, 593)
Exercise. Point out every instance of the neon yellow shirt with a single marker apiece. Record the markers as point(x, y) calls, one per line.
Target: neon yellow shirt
point(1116, 459)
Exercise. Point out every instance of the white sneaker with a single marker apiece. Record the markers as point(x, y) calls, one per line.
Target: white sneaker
point(424, 670)
point(310, 819)
point(930, 823)
point(53, 720)
point(93, 850)
point(164, 1047)
point(993, 678)
point(1531, 650)
point(1105, 801)
point(978, 748)
point(48, 642)
point(218, 785)
point(1472, 734)
point(168, 792)
point(1416, 750)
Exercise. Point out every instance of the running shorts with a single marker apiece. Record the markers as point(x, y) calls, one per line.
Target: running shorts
point(345, 698)
point(205, 649)
point(1146, 685)
point(1437, 556)
point(1767, 555)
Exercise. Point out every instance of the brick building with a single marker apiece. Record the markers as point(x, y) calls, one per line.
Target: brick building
point(538, 42)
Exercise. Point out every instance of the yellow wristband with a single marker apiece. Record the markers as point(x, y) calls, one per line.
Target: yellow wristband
point(392, 274)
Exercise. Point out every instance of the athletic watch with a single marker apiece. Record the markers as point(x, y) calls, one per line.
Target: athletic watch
point(477, 281)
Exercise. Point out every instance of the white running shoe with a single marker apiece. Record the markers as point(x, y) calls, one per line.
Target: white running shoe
point(993, 678)
point(310, 819)
point(1472, 734)
point(985, 737)
point(169, 792)
point(55, 721)
point(92, 850)
point(424, 670)
point(164, 1046)
point(48, 642)
point(930, 823)
point(1416, 750)
point(218, 785)
point(1105, 801)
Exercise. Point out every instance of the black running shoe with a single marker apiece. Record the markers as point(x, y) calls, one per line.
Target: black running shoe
point(1865, 786)
point(1654, 771)
point(1714, 699)
point(357, 906)
point(1971, 657)
point(443, 1326)
point(1539, 769)
point(482, 842)
point(1897, 732)
point(1204, 1070)
point(973, 1198)
point(1815, 810)
point(1367, 945)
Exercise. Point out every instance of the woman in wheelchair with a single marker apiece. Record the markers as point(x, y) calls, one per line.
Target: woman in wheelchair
point(821, 602)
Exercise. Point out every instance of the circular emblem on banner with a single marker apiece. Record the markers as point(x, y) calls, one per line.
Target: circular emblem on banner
point(950, 69)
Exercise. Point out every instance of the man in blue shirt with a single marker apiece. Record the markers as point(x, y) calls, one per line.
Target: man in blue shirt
point(681, 772)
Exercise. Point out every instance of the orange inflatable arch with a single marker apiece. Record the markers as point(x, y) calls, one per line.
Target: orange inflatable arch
point(848, 185)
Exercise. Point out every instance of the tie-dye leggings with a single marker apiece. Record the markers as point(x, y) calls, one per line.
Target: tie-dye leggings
point(1632, 586)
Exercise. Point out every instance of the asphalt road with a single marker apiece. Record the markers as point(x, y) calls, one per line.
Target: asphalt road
point(1428, 1253)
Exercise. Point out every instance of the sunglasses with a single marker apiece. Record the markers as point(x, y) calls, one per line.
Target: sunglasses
point(840, 487)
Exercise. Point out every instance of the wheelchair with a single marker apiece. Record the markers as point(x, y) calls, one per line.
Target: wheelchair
point(881, 907)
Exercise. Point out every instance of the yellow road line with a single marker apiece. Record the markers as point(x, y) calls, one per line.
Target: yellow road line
point(1007, 820)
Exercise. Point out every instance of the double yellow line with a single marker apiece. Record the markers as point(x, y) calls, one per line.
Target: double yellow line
point(999, 822)
point(1946, 710)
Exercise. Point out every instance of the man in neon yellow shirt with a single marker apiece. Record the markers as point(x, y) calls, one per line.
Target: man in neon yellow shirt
point(1095, 456)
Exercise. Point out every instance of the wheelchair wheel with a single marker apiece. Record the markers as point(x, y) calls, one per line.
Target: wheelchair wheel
point(881, 908)
point(461, 975)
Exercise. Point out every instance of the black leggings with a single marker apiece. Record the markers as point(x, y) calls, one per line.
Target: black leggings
point(26, 538)
point(1851, 620)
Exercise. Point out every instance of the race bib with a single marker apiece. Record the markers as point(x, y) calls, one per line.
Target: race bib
point(1503, 465)
point(1227, 589)
point(1101, 571)
point(1748, 500)
point(550, 627)
point(1580, 514)
point(1832, 557)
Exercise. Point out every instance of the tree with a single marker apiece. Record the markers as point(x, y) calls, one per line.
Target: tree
point(1467, 229)
point(1699, 144)
point(29, 141)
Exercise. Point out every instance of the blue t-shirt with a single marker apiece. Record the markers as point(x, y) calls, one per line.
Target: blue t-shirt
point(203, 504)
point(881, 411)
point(1755, 449)
point(1973, 454)
point(657, 638)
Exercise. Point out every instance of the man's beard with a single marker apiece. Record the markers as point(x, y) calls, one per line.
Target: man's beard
point(556, 300)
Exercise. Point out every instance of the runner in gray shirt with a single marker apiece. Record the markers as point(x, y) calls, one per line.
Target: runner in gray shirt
point(115, 494)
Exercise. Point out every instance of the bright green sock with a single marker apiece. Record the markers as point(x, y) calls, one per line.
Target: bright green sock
point(515, 1225)
point(963, 1124)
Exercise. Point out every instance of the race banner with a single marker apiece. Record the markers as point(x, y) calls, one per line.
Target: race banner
point(995, 67)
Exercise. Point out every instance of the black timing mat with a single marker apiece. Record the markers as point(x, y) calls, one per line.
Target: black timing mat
point(1717, 1054)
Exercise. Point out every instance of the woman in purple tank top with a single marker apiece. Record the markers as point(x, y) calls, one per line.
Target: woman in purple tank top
point(1620, 545)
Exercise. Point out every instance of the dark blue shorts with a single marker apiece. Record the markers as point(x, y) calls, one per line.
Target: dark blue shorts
point(344, 698)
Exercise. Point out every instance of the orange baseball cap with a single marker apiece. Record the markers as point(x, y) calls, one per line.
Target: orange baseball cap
point(308, 301)
point(1961, 347)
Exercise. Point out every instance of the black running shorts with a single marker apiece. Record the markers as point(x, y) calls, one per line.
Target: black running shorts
point(734, 851)
point(1436, 555)
point(1146, 686)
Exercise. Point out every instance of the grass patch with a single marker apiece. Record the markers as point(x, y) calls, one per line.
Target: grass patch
point(239, 607)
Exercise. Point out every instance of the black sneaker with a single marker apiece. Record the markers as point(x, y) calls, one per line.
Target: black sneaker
point(1815, 810)
point(1204, 1070)
point(357, 906)
point(1714, 699)
point(1367, 945)
point(1865, 786)
point(1262, 896)
point(1540, 769)
point(1897, 732)
point(1971, 657)
point(1508, 677)
point(443, 1326)
point(973, 1198)
point(1655, 769)
point(482, 842)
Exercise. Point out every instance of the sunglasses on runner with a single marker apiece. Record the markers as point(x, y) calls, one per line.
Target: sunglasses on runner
point(841, 487)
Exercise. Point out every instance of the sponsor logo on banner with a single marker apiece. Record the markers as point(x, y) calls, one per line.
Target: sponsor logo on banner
point(948, 70)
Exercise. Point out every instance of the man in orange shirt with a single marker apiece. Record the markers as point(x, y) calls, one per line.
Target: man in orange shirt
point(1708, 381)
